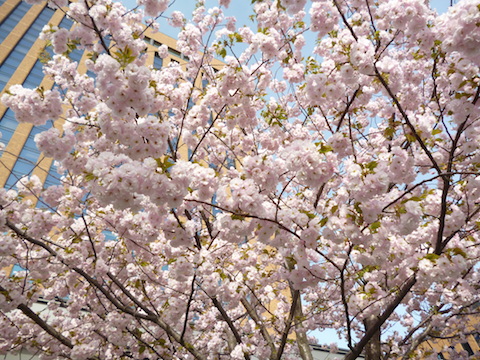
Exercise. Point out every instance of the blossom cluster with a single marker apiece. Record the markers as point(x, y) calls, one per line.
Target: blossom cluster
point(214, 209)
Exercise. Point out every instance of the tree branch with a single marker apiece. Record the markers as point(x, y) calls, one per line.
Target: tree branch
point(38, 320)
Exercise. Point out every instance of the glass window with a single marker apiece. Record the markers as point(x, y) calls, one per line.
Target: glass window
point(8, 124)
point(215, 210)
point(66, 23)
point(35, 76)
point(466, 346)
point(174, 52)
point(27, 159)
point(22, 167)
point(13, 19)
point(157, 62)
point(230, 163)
point(76, 55)
point(53, 177)
point(21, 48)
point(204, 83)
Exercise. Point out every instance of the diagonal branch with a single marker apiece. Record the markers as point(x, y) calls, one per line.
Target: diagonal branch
point(38, 320)
point(146, 315)
point(229, 322)
point(404, 290)
point(407, 120)
point(258, 321)
point(288, 325)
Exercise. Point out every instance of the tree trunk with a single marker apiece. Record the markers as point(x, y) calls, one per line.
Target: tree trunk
point(302, 340)
point(373, 349)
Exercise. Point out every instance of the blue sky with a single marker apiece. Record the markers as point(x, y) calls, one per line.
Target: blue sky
point(242, 9)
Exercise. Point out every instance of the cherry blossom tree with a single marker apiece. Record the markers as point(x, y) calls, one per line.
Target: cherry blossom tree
point(297, 190)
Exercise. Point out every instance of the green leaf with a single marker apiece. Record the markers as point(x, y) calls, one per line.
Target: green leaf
point(76, 240)
point(308, 213)
point(124, 56)
point(371, 165)
point(324, 148)
point(389, 132)
point(164, 164)
point(161, 342)
point(237, 217)
point(431, 257)
point(410, 137)
point(90, 177)
point(374, 226)
point(358, 208)
point(222, 52)
point(458, 251)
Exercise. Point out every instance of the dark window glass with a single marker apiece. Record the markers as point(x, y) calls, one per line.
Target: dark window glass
point(230, 163)
point(53, 177)
point(21, 168)
point(215, 210)
point(66, 23)
point(466, 346)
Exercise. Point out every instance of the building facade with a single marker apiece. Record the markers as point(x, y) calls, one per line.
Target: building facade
point(21, 53)
point(454, 343)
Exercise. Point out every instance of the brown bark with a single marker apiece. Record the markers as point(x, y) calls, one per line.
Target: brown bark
point(373, 349)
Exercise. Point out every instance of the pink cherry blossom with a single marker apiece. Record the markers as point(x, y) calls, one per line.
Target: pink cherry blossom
point(315, 169)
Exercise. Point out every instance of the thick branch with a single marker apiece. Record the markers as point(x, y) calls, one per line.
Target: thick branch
point(301, 334)
point(126, 309)
point(288, 325)
point(229, 322)
point(256, 318)
point(189, 303)
point(38, 320)
point(405, 289)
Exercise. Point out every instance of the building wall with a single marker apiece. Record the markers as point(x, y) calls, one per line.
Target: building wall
point(446, 348)
point(20, 49)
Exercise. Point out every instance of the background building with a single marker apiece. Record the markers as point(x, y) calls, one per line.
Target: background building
point(21, 54)
point(20, 63)
point(448, 345)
